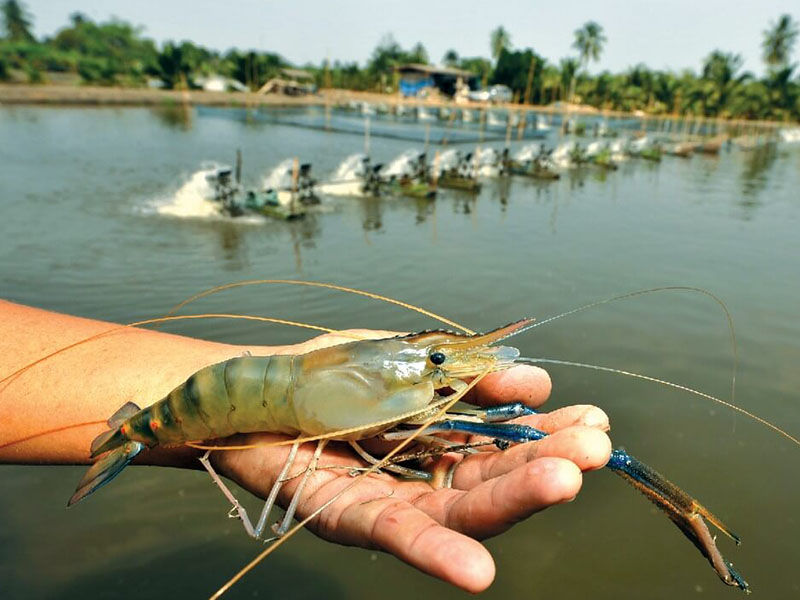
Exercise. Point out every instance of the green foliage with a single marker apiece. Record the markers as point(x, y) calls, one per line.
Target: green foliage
point(253, 69)
point(117, 53)
point(16, 22)
point(779, 41)
point(106, 53)
point(478, 65)
point(499, 40)
point(589, 41)
point(512, 70)
point(387, 55)
point(450, 58)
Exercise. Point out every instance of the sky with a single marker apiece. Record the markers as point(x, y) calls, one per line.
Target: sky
point(663, 35)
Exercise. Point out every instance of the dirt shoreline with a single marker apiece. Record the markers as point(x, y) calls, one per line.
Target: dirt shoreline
point(88, 96)
point(110, 96)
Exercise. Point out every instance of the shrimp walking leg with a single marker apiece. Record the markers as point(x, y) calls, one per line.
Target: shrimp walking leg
point(276, 487)
point(394, 468)
point(312, 466)
point(237, 507)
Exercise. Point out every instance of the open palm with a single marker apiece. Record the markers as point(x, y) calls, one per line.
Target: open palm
point(432, 529)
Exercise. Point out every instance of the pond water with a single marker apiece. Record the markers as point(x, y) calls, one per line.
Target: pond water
point(81, 231)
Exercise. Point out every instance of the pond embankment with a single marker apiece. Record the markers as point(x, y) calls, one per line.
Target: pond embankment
point(68, 95)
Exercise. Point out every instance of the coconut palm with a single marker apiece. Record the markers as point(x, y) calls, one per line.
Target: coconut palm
point(17, 22)
point(569, 71)
point(589, 41)
point(720, 70)
point(778, 42)
point(499, 40)
point(450, 58)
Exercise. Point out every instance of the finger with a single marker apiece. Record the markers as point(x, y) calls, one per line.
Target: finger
point(495, 505)
point(522, 383)
point(569, 416)
point(398, 527)
point(587, 448)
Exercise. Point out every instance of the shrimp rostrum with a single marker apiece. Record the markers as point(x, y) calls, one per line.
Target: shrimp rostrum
point(394, 388)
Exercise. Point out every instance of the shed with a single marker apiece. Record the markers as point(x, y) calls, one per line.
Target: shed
point(294, 82)
point(415, 77)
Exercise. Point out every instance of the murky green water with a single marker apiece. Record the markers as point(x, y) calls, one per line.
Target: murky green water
point(78, 233)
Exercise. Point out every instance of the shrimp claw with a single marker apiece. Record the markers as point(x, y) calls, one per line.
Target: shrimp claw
point(686, 512)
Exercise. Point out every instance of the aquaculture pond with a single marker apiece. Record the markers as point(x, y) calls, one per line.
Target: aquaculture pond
point(99, 217)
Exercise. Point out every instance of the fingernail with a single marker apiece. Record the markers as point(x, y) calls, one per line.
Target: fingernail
point(596, 418)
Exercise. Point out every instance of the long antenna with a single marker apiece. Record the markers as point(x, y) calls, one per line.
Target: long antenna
point(677, 386)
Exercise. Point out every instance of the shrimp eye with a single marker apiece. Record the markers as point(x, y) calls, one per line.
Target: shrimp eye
point(438, 358)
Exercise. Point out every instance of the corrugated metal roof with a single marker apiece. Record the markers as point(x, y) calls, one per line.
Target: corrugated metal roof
point(297, 74)
point(434, 70)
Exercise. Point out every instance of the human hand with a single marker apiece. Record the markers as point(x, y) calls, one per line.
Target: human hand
point(436, 530)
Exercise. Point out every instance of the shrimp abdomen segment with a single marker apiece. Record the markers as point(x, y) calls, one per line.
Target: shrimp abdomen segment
point(239, 395)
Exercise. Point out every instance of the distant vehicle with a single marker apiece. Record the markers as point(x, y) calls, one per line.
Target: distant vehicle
point(500, 93)
point(496, 93)
point(479, 95)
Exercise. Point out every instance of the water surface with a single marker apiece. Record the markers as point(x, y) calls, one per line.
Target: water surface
point(81, 233)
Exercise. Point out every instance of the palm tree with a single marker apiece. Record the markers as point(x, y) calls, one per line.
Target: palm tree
point(569, 71)
point(450, 58)
point(499, 40)
point(720, 70)
point(589, 41)
point(17, 22)
point(778, 42)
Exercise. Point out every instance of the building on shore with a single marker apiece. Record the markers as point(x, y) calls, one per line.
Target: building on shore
point(293, 82)
point(418, 80)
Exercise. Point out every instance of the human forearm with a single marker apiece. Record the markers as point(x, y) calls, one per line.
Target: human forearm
point(86, 383)
point(52, 411)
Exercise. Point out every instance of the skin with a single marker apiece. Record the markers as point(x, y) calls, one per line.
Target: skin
point(435, 530)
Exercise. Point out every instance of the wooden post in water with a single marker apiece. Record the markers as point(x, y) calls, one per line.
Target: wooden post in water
point(327, 111)
point(366, 135)
point(435, 173)
point(238, 166)
point(295, 176)
point(523, 121)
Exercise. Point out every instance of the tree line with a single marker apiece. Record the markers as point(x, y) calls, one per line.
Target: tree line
point(117, 53)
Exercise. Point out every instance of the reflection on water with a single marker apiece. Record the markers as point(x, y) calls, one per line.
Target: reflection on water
point(176, 115)
point(757, 164)
point(81, 233)
point(373, 213)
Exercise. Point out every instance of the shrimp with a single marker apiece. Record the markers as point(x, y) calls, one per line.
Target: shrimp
point(346, 392)
point(354, 391)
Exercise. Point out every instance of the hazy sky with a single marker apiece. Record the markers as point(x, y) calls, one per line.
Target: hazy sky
point(674, 35)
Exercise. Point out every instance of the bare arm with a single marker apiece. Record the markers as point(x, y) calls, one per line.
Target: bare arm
point(89, 382)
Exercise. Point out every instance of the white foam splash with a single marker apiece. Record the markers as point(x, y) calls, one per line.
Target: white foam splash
point(192, 199)
point(351, 168)
point(401, 165)
point(280, 178)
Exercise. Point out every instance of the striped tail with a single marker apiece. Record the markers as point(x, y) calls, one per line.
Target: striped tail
point(118, 452)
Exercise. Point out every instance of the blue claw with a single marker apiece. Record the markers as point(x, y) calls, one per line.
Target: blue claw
point(686, 512)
